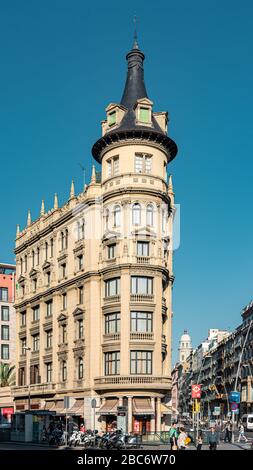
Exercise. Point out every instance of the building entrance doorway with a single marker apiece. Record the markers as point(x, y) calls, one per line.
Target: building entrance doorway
point(142, 424)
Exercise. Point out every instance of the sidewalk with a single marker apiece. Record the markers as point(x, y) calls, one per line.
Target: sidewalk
point(227, 446)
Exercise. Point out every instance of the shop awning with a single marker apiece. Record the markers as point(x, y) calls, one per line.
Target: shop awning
point(57, 407)
point(166, 409)
point(50, 405)
point(109, 407)
point(142, 406)
point(77, 408)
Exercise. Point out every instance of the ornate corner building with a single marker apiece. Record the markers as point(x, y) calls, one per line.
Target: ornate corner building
point(95, 278)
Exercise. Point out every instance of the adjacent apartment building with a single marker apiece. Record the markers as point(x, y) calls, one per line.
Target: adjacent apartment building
point(7, 312)
point(95, 278)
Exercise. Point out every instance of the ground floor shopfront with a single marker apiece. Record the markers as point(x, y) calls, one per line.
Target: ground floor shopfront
point(143, 414)
point(135, 413)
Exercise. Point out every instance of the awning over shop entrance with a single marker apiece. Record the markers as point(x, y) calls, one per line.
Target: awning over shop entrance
point(166, 409)
point(142, 406)
point(56, 406)
point(109, 407)
point(77, 408)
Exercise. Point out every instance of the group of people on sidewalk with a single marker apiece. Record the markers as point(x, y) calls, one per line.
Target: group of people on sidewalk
point(179, 439)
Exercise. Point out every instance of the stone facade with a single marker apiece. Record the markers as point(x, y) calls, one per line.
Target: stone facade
point(95, 281)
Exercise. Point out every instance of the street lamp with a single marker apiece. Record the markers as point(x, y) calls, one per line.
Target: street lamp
point(26, 348)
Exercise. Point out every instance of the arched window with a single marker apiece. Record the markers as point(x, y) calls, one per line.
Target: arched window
point(66, 238)
point(150, 215)
point(46, 251)
point(163, 220)
point(33, 258)
point(62, 241)
point(80, 368)
point(107, 216)
point(38, 256)
point(64, 371)
point(52, 247)
point(80, 229)
point(116, 216)
point(25, 263)
point(136, 214)
point(21, 265)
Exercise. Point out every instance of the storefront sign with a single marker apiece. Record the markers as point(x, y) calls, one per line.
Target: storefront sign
point(7, 411)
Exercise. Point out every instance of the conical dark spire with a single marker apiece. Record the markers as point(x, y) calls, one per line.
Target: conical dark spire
point(135, 85)
point(129, 127)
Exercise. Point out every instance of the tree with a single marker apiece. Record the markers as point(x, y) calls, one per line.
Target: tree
point(7, 375)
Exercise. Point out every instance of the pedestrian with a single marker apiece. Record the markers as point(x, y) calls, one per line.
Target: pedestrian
point(82, 428)
point(200, 440)
point(230, 428)
point(173, 435)
point(241, 434)
point(227, 427)
point(212, 439)
point(181, 440)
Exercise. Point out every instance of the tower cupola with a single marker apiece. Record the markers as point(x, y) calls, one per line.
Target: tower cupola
point(133, 117)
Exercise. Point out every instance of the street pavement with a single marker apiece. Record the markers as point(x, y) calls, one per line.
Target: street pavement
point(222, 445)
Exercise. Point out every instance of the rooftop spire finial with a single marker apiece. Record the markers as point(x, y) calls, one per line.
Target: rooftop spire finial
point(29, 218)
point(135, 45)
point(56, 205)
point(72, 190)
point(93, 175)
point(42, 209)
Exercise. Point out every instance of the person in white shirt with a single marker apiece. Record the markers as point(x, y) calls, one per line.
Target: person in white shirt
point(241, 433)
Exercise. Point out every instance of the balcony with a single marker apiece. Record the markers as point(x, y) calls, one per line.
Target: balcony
point(62, 386)
point(62, 347)
point(111, 337)
point(142, 336)
point(132, 382)
point(44, 388)
point(164, 306)
point(78, 384)
point(112, 299)
point(164, 344)
point(141, 298)
point(143, 259)
point(35, 353)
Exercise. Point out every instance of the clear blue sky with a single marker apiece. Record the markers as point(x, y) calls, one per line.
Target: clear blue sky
point(63, 61)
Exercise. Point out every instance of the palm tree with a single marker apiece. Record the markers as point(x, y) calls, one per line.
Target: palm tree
point(7, 375)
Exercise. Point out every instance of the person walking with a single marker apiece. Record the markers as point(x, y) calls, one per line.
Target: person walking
point(241, 434)
point(227, 429)
point(230, 427)
point(181, 440)
point(212, 439)
point(200, 440)
point(173, 435)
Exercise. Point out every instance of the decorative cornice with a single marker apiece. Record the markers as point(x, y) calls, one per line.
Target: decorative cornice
point(139, 136)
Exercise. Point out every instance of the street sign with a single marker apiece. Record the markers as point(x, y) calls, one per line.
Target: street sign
point(234, 406)
point(235, 397)
point(216, 411)
point(66, 402)
point(93, 403)
point(196, 391)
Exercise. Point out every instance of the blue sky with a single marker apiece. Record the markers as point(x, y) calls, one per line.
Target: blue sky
point(63, 61)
